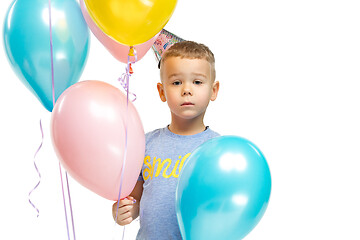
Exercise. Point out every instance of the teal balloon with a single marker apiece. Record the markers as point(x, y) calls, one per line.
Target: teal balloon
point(27, 44)
point(223, 190)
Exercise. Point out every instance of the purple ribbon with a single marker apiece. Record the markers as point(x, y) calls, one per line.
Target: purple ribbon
point(37, 170)
point(53, 98)
point(124, 81)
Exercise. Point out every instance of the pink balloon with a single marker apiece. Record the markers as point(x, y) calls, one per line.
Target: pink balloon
point(119, 51)
point(88, 128)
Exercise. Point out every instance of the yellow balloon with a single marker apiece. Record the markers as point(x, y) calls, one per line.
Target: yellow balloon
point(130, 22)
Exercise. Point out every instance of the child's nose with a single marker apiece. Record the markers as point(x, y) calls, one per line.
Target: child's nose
point(186, 91)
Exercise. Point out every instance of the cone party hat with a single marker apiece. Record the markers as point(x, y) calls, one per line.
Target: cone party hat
point(164, 41)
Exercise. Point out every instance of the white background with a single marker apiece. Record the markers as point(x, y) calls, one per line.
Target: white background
point(289, 74)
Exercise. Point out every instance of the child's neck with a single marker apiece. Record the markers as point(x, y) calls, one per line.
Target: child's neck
point(186, 127)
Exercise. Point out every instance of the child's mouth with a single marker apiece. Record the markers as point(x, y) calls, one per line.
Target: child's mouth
point(187, 104)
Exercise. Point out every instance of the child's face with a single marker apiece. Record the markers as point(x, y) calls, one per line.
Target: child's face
point(187, 86)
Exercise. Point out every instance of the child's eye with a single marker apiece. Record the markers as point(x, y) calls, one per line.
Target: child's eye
point(176, 83)
point(197, 82)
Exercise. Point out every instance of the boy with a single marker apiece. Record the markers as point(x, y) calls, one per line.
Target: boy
point(187, 72)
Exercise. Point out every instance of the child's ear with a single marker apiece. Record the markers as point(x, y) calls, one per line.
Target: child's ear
point(161, 91)
point(215, 90)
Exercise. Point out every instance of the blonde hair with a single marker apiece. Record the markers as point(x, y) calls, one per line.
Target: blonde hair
point(190, 50)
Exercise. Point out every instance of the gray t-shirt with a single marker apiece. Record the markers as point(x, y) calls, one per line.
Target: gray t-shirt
point(165, 155)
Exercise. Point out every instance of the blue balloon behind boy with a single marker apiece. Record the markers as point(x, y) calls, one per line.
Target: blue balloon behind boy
point(27, 45)
point(223, 190)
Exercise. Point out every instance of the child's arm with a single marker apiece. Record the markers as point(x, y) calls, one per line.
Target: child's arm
point(129, 207)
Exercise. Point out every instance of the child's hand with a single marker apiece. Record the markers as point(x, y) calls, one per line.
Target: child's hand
point(124, 213)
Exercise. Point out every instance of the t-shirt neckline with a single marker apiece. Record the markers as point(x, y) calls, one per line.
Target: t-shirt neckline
point(167, 131)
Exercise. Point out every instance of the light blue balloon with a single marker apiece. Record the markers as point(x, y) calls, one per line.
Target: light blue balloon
point(27, 45)
point(223, 190)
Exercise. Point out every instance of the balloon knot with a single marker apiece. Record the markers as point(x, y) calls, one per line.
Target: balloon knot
point(131, 51)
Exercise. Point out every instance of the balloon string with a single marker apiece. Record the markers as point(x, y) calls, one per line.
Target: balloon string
point(37, 170)
point(53, 100)
point(124, 80)
point(70, 205)
point(52, 57)
point(63, 193)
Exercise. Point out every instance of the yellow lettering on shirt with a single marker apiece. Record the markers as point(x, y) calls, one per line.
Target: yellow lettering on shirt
point(164, 172)
point(147, 171)
point(158, 164)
